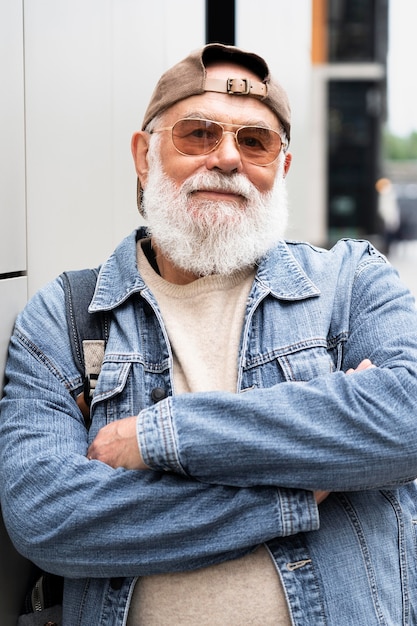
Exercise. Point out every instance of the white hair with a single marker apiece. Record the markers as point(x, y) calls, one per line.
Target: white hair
point(210, 237)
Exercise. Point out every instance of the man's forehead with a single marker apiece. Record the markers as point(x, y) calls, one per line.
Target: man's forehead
point(222, 108)
point(204, 104)
point(231, 70)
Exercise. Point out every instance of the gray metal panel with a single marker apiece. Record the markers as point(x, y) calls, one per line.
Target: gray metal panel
point(12, 145)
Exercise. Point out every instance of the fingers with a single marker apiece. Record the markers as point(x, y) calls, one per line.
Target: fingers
point(363, 365)
point(321, 495)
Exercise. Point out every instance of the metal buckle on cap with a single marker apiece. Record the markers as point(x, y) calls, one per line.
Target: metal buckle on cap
point(238, 86)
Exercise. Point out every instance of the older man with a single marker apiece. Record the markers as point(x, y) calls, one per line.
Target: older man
point(223, 416)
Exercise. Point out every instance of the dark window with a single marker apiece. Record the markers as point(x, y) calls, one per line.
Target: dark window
point(353, 29)
point(353, 144)
point(220, 21)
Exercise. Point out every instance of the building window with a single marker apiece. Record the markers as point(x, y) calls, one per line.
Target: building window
point(351, 30)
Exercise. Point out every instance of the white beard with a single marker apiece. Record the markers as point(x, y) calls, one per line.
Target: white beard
point(209, 237)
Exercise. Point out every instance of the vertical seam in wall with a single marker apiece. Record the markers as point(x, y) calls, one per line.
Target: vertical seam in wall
point(25, 144)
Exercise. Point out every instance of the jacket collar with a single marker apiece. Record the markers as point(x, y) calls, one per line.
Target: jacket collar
point(118, 277)
point(279, 273)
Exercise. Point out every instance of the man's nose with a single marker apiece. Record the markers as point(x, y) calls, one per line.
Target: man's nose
point(226, 156)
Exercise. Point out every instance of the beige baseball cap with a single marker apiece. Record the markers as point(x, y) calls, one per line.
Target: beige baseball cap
point(188, 78)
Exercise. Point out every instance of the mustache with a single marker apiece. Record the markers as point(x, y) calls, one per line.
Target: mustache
point(215, 181)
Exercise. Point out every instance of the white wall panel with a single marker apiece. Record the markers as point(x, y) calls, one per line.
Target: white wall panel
point(12, 157)
point(13, 568)
point(90, 68)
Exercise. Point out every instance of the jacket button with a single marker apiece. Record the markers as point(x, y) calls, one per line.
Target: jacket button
point(116, 583)
point(158, 394)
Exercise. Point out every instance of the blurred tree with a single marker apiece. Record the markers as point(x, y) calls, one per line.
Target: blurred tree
point(400, 148)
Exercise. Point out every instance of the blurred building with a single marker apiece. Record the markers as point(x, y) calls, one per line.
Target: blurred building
point(349, 55)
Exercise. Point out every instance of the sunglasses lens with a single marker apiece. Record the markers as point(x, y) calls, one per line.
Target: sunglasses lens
point(195, 137)
point(259, 145)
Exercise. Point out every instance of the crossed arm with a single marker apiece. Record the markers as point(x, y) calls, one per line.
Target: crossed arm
point(117, 445)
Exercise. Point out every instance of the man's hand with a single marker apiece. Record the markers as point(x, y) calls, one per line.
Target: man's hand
point(116, 445)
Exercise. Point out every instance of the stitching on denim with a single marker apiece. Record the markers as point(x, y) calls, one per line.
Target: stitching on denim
point(40, 356)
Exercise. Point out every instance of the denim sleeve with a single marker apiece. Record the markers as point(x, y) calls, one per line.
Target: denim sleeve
point(335, 432)
point(81, 518)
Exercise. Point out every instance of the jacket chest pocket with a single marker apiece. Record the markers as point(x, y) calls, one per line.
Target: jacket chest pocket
point(112, 380)
point(306, 364)
point(299, 363)
point(126, 387)
point(112, 398)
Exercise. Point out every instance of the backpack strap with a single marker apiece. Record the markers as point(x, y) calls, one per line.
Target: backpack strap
point(88, 332)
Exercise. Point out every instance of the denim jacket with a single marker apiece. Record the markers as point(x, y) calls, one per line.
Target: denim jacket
point(230, 471)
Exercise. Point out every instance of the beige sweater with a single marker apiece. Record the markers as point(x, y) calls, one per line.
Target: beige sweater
point(204, 322)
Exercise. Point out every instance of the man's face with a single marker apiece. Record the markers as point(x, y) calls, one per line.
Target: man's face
point(236, 110)
point(212, 213)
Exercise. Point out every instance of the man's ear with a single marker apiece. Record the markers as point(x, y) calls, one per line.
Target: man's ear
point(287, 163)
point(139, 147)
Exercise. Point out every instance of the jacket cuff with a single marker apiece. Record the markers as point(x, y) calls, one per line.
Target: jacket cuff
point(299, 511)
point(156, 438)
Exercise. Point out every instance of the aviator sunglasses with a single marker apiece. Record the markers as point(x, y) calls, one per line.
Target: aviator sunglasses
point(258, 145)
